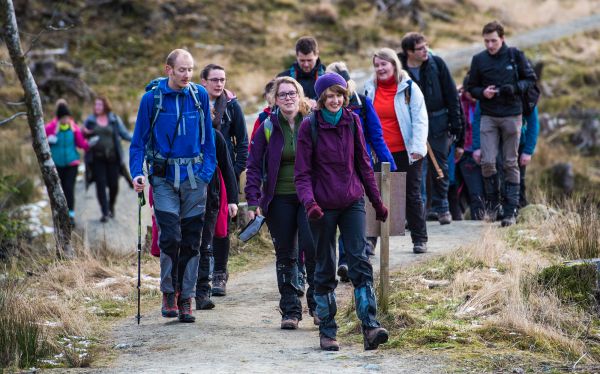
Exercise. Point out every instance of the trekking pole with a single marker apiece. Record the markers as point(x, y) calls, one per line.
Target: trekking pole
point(436, 166)
point(141, 203)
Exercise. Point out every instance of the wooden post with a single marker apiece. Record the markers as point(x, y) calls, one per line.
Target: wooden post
point(384, 265)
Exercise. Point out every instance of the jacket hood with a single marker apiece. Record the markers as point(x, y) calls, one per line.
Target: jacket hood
point(371, 85)
point(162, 84)
point(229, 95)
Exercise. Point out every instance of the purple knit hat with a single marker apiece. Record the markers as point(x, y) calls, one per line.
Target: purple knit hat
point(327, 80)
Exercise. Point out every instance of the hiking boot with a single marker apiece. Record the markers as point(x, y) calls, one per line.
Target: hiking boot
point(508, 220)
point(342, 272)
point(328, 344)
point(420, 247)
point(431, 216)
point(374, 336)
point(104, 219)
point(185, 310)
point(445, 218)
point(289, 323)
point(204, 303)
point(169, 305)
point(219, 283)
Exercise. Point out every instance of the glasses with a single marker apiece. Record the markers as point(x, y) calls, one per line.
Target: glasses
point(421, 48)
point(217, 80)
point(283, 95)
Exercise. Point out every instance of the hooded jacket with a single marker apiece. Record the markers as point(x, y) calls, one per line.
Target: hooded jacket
point(337, 172)
point(230, 121)
point(170, 140)
point(498, 70)
point(412, 118)
point(306, 80)
point(64, 152)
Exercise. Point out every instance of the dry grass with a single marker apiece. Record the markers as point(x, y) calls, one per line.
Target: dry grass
point(74, 301)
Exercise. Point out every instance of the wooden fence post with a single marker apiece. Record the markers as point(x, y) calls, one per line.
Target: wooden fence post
point(384, 265)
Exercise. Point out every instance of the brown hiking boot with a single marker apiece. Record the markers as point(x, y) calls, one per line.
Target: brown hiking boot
point(219, 283)
point(185, 310)
point(328, 344)
point(372, 337)
point(289, 323)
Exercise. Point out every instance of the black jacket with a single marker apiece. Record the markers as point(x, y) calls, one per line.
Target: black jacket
point(229, 120)
point(229, 178)
point(438, 88)
point(306, 80)
point(498, 70)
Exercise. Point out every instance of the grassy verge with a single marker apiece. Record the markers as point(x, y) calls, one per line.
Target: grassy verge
point(60, 313)
point(490, 306)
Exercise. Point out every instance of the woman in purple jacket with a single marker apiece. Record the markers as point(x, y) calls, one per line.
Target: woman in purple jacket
point(271, 165)
point(333, 172)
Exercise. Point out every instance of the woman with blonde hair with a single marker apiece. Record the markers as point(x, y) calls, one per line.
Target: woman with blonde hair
point(401, 109)
point(270, 191)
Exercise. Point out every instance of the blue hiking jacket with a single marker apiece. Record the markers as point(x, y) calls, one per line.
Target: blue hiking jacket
point(170, 141)
point(529, 130)
point(372, 129)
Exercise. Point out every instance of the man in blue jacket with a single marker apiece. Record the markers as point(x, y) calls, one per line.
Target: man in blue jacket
point(497, 78)
point(443, 111)
point(173, 133)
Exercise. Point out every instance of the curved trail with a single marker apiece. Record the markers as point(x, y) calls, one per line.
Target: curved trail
point(242, 333)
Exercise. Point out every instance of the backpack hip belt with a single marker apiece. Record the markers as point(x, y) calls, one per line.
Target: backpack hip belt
point(189, 162)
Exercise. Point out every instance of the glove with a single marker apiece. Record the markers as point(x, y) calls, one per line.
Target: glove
point(507, 90)
point(52, 139)
point(381, 212)
point(314, 211)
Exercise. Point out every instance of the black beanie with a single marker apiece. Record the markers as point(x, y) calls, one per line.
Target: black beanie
point(62, 110)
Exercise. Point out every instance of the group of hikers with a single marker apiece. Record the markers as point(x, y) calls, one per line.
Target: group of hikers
point(310, 162)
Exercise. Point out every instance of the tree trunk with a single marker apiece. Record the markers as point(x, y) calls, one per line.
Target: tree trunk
point(35, 119)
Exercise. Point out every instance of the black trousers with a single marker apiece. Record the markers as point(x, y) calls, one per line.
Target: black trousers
point(414, 204)
point(352, 225)
point(106, 174)
point(68, 175)
point(288, 225)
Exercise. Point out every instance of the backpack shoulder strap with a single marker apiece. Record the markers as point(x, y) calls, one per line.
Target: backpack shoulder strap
point(157, 107)
point(408, 92)
point(194, 91)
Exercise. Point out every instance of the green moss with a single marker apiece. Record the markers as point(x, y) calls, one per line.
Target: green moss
point(572, 284)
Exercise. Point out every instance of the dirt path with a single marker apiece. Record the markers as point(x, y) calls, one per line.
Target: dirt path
point(242, 333)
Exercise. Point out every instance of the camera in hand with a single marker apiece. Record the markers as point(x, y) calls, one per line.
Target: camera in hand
point(159, 168)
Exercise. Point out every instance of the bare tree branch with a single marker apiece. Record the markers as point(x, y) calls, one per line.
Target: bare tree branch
point(35, 119)
point(5, 63)
point(19, 114)
point(12, 103)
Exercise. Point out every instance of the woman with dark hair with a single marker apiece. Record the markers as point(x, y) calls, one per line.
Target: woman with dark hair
point(333, 172)
point(64, 137)
point(105, 130)
point(270, 191)
point(400, 105)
